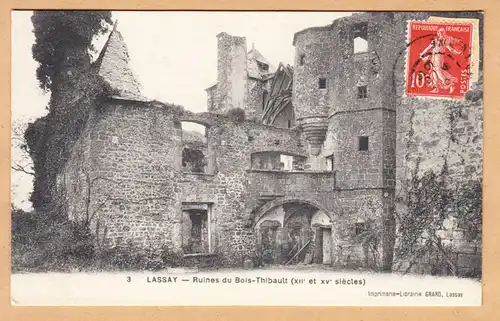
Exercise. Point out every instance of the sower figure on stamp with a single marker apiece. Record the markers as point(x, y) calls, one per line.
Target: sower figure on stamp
point(440, 46)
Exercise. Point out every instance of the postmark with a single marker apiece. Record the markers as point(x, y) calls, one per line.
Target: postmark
point(438, 61)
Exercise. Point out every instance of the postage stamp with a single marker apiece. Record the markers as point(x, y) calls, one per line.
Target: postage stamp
point(438, 63)
point(475, 46)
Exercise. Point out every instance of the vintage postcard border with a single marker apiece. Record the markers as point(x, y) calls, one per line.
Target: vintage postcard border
point(491, 201)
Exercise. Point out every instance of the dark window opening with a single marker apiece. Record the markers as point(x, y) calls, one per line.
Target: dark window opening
point(302, 59)
point(322, 83)
point(363, 143)
point(362, 92)
point(359, 228)
point(195, 230)
point(289, 123)
point(265, 96)
point(193, 160)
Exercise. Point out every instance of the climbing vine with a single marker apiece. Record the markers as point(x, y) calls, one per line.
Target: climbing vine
point(434, 203)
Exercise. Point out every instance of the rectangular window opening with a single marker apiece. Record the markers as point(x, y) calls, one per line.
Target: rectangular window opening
point(289, 124)
point(322, 83)
point(362, 92)
point(302, 59)
point(363, 143)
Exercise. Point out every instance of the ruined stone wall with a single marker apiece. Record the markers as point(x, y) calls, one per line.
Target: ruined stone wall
point(131, 153)
point(371, 68)
point(285, 118)
point(235, 142)
point(254, 101)
point(136, 150)
point(355, 168)
point(74, 178)
point(430, 133)
point(212, 98)
point(359, 206)
point(344, 209)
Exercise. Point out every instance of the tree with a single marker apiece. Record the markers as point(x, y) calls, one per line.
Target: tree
point(20, 161)
point(22, 170)
point(63, 42)
point(63, 47)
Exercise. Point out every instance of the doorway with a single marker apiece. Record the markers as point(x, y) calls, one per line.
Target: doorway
point(327, 245)
point(323, 245)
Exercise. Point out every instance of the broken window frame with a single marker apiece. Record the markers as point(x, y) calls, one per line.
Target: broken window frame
point(196, 166)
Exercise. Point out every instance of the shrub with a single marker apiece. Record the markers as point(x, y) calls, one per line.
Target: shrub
point(42, 245)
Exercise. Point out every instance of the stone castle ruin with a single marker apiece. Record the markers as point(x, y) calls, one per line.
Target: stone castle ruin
point(298, 164)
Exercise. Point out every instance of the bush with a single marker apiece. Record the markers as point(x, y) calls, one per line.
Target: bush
point(132, 257)
point(40, 245)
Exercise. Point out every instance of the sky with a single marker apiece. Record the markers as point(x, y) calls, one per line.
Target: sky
point(173, 54)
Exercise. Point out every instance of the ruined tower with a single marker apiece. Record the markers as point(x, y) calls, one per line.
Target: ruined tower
point(231, 73)
point(344, 101)
point(313, 52)
point(242, 78)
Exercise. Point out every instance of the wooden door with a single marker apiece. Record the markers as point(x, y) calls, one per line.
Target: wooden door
point(327, 246)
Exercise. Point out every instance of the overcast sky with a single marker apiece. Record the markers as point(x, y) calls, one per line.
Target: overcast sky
point(173, 54)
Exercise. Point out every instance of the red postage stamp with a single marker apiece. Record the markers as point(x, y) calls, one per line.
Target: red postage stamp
point(438, 61)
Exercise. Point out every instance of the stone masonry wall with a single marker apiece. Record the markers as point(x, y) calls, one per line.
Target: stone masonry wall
point(355, 168)
point(254, 100)
point(431, 132)
point(345, 208)
point(232, 85)
point(136, 167)
point(317, 45)
point(132, 153)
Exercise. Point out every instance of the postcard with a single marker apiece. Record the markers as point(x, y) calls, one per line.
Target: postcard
point(189, 158)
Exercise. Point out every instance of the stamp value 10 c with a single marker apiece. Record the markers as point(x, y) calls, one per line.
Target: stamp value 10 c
point(438, 61)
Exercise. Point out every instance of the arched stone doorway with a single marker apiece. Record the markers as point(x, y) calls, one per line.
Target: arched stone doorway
point(295, 232)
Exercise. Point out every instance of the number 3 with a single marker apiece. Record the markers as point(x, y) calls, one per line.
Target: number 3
point(129, 279)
